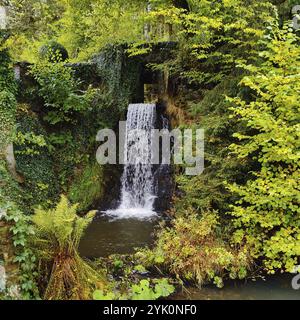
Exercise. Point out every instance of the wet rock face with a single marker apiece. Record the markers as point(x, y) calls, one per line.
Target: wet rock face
point(112, 175)
point(164, 187)
point(163, 173)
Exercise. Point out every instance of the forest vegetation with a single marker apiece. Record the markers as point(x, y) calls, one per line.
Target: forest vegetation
point(233, 69)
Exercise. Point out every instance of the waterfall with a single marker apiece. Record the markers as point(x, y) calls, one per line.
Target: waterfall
point(137, 179)
point(137, 194)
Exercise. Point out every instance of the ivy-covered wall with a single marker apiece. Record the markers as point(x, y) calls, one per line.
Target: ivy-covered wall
point(121, 74)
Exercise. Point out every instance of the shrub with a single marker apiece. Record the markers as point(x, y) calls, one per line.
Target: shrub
point(60, 91)
point(53, 51)
point(192, 250)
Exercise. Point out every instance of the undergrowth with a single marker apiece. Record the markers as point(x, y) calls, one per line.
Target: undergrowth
point(193, 250)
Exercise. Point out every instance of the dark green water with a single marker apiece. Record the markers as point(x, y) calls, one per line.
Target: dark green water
point(273, 288)
point(105, 236)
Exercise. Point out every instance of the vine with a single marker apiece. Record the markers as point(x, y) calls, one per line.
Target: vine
point(20, 229)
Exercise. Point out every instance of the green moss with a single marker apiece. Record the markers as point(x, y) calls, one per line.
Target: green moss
point(87, 186)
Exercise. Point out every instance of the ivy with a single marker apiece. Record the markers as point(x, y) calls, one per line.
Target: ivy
point(7, 118)
point(121, 76)
point(32, 141)
point(33, 153)
point(21, 229)
point(19, 223)
point(7, 101)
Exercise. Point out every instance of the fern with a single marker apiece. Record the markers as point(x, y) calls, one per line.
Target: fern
point(57, 235)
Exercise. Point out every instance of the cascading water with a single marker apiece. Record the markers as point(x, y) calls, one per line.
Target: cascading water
point(137, 179)
point(137, 194)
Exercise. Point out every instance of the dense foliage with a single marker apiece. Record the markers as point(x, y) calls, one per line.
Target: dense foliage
point(59, 90)
point(267, 213)
point(230, 66)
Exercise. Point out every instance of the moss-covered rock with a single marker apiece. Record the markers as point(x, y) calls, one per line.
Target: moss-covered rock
point(87, 186)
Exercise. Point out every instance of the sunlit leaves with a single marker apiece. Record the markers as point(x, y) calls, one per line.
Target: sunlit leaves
point(268, 214)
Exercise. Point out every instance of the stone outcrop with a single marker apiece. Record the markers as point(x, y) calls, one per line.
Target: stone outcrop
point(9, 270)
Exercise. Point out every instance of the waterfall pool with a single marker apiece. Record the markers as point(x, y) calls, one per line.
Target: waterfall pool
point(131, 213)
point(106, 236)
